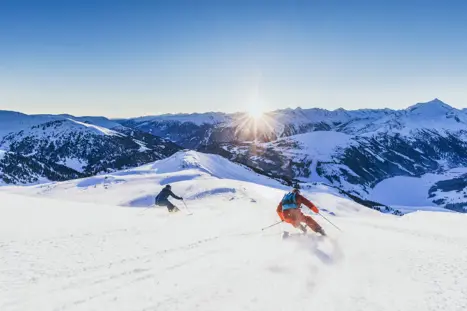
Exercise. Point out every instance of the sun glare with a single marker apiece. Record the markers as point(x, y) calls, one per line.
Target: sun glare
point(255, 124)
point(255, 112)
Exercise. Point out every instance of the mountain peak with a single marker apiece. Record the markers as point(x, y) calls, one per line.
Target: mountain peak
point(433, 107)
point(436, 101)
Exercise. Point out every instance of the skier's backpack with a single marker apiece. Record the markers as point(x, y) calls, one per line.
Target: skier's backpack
point(289, 201)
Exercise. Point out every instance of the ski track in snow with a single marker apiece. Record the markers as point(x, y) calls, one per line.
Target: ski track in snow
point(147, 260)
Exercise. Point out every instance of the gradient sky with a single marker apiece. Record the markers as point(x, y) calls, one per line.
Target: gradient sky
point(132, 58)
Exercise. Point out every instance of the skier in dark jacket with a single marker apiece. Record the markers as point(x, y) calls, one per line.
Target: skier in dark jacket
point(162, 199)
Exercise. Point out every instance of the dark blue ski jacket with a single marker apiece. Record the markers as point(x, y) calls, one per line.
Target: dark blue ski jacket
point(163, 196)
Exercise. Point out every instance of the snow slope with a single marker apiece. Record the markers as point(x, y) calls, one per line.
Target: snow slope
point(411, 191)
point(320, 145)
point(213, 175)
point(64, 255)
point(99, 121)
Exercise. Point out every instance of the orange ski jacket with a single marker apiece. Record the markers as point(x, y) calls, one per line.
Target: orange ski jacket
point(300, 200)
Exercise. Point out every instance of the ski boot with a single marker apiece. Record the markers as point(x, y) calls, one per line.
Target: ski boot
point(302, 228)
point(321, 231)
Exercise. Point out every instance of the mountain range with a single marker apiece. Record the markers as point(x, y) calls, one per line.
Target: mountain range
point(360, 152)
point(40, 148)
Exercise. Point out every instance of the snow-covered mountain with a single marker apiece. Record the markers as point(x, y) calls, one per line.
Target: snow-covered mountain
point(187, 130)
point(61, 147)
point(352, 150)
point(91, 244)
point(135, 187)
point(11, 121)
point(18, 169)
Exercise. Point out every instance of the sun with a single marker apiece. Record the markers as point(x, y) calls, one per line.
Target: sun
point(255, 124)
point(255, 112)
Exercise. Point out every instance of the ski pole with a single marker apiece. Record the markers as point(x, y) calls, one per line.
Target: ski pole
point(272, 225)
point(186, 207)
point(329, 221)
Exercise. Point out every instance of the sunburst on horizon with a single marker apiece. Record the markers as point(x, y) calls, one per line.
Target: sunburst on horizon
point(255, 112)
point(255, 123)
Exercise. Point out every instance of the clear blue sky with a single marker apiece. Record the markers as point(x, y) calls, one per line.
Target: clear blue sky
point(131, 58)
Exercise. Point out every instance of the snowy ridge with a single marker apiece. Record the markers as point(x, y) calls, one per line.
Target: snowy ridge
point(102, 122)
point(56, 129)
point(434, 114)
point(195, 118)
point(287, 122)
point(136, 187)
point(55, 132)
point(97, 129)
point(211, 164)
point(433, 109)
point(11, 121)
point(349, 121)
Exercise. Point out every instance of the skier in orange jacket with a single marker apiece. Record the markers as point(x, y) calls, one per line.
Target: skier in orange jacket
point(289, 211)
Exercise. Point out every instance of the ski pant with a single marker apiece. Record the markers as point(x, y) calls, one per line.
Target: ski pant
point(295, 217)
point(166, 203)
